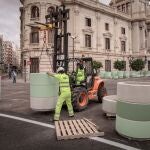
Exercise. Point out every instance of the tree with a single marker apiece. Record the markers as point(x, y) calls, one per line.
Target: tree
point(137, 64)
point(120, 65)
point(97, 65)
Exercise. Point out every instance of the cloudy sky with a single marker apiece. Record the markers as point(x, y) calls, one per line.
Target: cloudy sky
point(9, 19)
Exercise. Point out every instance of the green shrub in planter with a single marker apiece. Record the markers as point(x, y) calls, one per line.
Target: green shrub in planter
point(137, 64)
point(120, 65)
point(97, 65)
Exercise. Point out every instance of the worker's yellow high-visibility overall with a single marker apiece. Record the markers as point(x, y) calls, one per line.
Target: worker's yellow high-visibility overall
point(64, 96)
point(80, 76)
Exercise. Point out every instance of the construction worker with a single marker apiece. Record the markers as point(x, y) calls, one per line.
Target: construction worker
point(80, 73)
point(64, 93)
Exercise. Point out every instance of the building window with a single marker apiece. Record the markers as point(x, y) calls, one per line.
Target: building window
point(34, 67)
point(88, 22)
point(124, 8)
point(34, 12)
point(106, 26)
point(50, 36)
point(108, 65)
point(87, 40)
point(123, 46)
point(107, 43)
point(123, 30)
point(34, 36)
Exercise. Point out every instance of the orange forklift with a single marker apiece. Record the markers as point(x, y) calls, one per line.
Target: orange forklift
point(92, 88)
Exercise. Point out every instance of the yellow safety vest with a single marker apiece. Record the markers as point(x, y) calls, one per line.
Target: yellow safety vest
point(80, 75)
point(64, 84)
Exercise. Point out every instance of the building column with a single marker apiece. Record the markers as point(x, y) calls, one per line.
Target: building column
point(135, 37)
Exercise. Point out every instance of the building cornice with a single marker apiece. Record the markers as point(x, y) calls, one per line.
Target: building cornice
point(99, 7)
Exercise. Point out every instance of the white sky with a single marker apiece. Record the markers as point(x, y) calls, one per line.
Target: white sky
point(10, 21)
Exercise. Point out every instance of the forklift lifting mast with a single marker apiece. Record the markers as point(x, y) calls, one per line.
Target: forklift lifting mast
point(58, 17)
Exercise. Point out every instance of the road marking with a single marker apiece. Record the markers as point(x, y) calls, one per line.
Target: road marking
point(98, 139)
point(116, 144)
point(28, 120)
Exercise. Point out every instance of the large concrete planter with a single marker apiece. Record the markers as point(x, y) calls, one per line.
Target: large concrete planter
point(126, 74)
point(133, 109)
point(120, 74)
point(147, 74)
point(114, 74)
point(109, 105)
point(108, 75)
point(102, 74)
point(43, 92)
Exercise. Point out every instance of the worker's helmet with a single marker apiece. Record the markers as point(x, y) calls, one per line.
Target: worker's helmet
point(60, 69)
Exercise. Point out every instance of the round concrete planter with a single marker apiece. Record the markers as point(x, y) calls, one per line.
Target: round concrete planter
point(114, 74)
point(120, 74)
point(126, 74)
point(108, 75)
point(109, 105)
point(133, 109)
point(147, 74)
point(43, 92)
point(102, 74)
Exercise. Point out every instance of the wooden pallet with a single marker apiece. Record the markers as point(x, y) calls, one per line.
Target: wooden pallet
point(74, 129)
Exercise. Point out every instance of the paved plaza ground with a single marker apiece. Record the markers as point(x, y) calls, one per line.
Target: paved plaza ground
point(24, 129)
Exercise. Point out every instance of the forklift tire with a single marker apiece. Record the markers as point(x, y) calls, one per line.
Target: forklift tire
point(101, 93)
point(79, 98)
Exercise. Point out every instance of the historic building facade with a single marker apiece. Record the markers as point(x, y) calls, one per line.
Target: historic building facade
point(106, 33)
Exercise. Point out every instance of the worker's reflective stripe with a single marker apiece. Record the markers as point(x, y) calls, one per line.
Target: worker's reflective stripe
point(64, 84)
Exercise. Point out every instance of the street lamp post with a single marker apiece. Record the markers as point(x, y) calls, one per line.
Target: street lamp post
point(73, 40)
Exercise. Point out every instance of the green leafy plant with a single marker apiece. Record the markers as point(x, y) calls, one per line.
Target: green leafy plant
point(137, 64)
point(97, 65)
point(119, 65)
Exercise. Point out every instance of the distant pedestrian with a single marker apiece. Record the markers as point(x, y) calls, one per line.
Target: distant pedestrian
point(14, 75)
point(10, 72)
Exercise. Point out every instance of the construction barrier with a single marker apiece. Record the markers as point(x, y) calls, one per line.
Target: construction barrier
point(43, 92)
point(133, 109)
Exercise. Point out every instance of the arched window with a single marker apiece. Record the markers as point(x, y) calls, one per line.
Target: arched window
point(50, 10)
point(34, 12)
